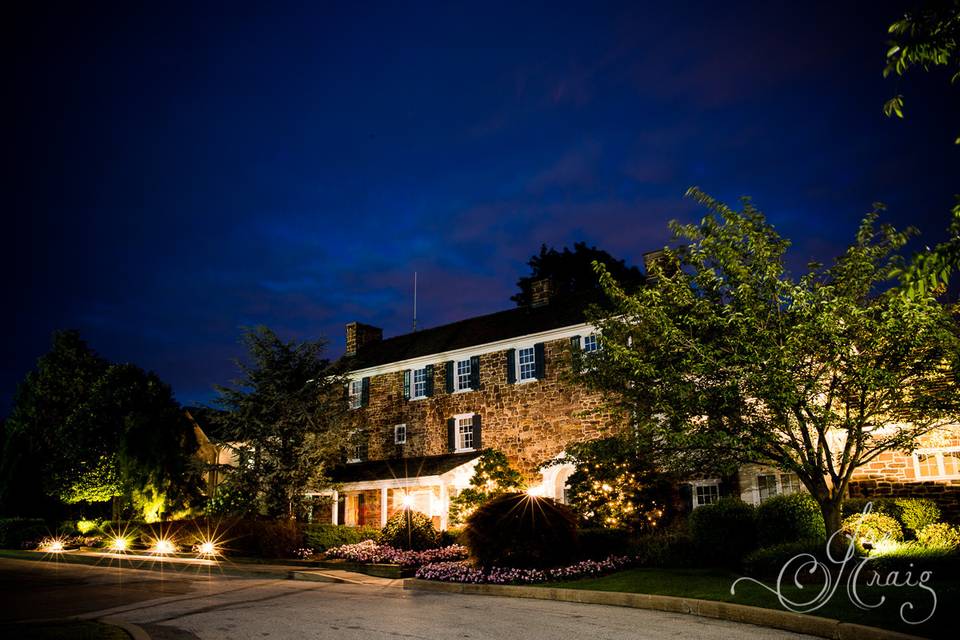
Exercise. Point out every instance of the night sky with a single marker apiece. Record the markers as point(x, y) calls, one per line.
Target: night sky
point(174, 173)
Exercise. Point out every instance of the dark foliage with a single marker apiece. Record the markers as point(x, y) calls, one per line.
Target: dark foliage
point(516, 530)
point(572, 272)
point(321, 537)
point(723, 532)
point(789, 518)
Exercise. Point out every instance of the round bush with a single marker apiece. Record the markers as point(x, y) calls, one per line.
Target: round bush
point(789, 518)
point(409, 529)
point(940, 535)
point(724, 531)
point(872, 527)
point(917, 513)
point(516, 530)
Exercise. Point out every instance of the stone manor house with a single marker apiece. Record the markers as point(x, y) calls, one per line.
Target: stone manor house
point(425, 405)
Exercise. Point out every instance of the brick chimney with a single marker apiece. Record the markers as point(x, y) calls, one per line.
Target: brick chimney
point(652, 258)
point(359, 335)
point(540, 292)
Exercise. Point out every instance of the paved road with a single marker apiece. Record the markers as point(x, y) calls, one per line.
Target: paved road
point(196, 606)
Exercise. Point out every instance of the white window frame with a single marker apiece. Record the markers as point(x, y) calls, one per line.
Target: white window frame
point(938, 453)
point(694, 498)
point(583, 343)
point(353, 448)
point(777, 489)
point(413, 384)
point(400, 434)
point(355, 393)
point(458, 436)
point(518, 368)
point(457, 387)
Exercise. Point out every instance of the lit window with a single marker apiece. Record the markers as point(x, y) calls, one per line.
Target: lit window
point(591, 343)
point(705, 493)
point(465, 433)
point(463, 375)
point(419, 383)
point(789, 483)
point(937, 463)
point(400, 434)
point(527, 360)
point(767, 486)
point(356, 394)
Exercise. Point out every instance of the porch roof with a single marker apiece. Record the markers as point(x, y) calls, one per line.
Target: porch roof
point(397, 468)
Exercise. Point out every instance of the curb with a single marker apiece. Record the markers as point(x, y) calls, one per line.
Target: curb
point(774, 618)
point(135, 631)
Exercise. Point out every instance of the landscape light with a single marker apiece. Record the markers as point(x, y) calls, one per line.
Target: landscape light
point(407, 501)
point(535, 492)
point(119, 544)
point(207, 548)
point(163, 546)
point(54, 546)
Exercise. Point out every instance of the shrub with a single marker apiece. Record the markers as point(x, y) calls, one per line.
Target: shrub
point(321, 537)
point(409, 529)
point(670, 549)
point(516, 530)
point(264, 538)
point(917, 513)
point(767, 562)
point(18, 533)
point(597, 544)
point(914, 558)
point(451, 536)
point(940, 535)
point(789, 518)
point(723, 532)
point(872, 527)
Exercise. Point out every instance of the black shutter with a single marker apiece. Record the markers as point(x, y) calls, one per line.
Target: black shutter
point(429, 385)
point(540, 364)
point(575, 353)
point(477, 442)
point(365, 392)
point(451, 435)
point(475, 372)
point(450, 366)
point(511, 366)
point(406, 384)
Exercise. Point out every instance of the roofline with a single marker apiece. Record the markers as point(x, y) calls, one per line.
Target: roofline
point(481, 349)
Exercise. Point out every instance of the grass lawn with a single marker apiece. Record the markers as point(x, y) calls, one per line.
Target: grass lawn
point(63, 631)
point(708, 584)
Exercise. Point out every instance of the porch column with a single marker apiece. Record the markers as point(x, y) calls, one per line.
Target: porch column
point(336, 507)
point(444, 506)
point(383, 507)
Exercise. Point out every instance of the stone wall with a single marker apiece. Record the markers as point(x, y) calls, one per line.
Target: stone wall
point(530, 422)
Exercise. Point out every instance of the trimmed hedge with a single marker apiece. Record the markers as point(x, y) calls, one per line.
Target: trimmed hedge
point(518, 531)
point(725, 531)
point(409, 529)
point(321, 537)
point(873, 527)
point(17, 533)
point(912, 514)
point(789, 518)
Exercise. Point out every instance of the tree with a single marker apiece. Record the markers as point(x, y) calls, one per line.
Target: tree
point(572, 272)
point(725, 358)
point(492, 476)
point(615, 484)
point(286, 412)
point(927, 37)
point(39, 453)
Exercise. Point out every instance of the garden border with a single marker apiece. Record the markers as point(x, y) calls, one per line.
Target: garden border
point(773, 618)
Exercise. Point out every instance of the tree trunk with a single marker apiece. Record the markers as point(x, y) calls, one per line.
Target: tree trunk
point(830, 508)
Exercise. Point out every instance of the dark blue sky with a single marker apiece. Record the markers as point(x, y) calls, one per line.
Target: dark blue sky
point(176, 173)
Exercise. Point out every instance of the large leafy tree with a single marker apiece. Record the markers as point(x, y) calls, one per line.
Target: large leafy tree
point(284, 414)
point(492, 476)
point(572, 272)
point(726, 358)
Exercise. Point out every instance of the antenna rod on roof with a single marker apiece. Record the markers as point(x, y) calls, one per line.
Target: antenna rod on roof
point(414, 301)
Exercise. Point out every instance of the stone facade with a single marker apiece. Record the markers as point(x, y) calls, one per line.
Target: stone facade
point(894, 474)
point(531, 422)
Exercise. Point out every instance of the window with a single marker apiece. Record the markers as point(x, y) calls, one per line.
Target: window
point(464, 433)
point(766, 486)
point(527, 361)
point(789, 483)
point(463, 375)
point(400, 434)
point(419, 383)
point(357, 447)
point(937, 463)
point(591, 343)
point(356, 394)
point(706, 492)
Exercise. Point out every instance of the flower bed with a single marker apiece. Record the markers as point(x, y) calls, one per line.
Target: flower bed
point(464, 572)
point(369, 552)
